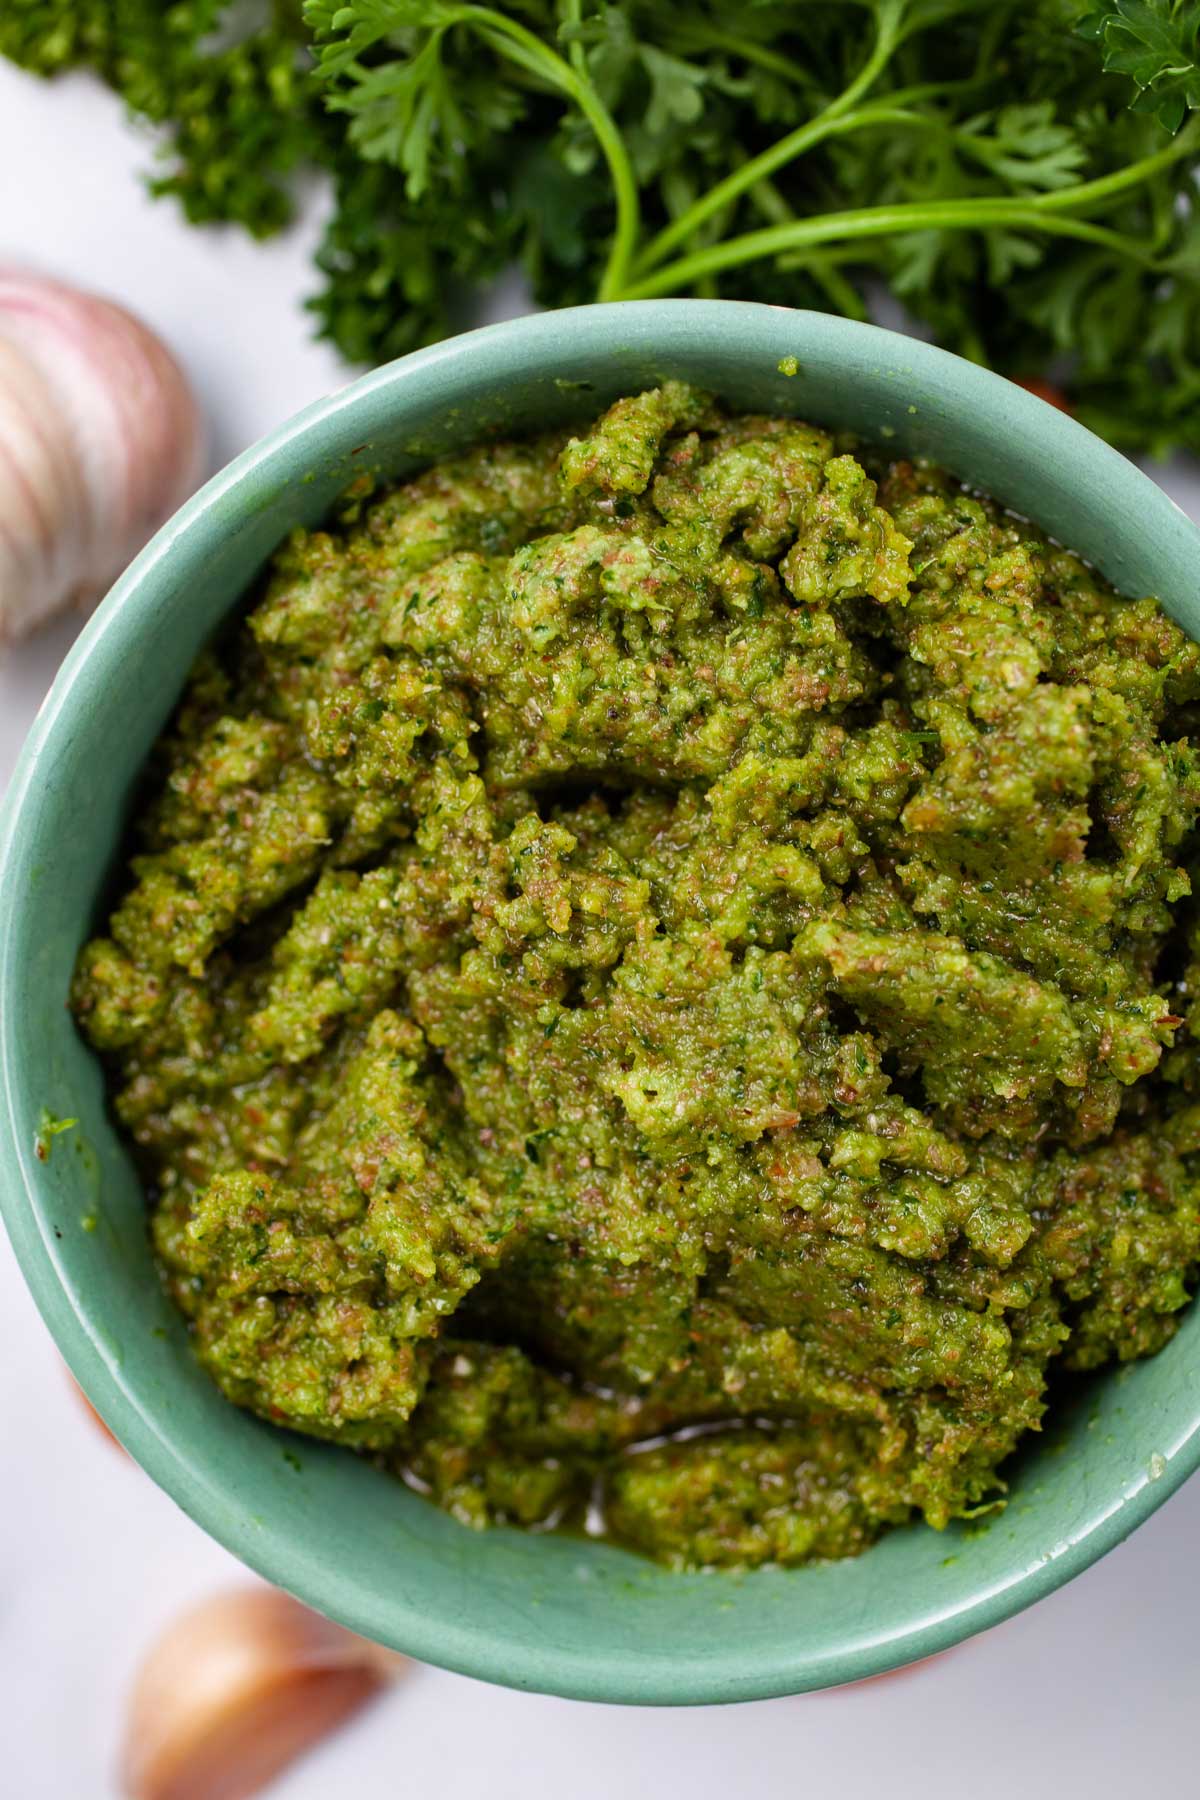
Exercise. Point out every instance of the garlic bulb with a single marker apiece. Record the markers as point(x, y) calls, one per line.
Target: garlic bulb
point(237, 1688)
point(100, 441)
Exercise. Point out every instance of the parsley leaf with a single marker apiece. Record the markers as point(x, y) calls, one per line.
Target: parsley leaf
point(1157, 44)
point(1027, 147)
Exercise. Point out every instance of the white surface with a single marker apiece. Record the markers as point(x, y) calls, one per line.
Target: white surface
point(1092, 1694)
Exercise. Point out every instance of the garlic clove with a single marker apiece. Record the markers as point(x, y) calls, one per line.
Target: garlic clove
point(100, 441)
point(93, 1415)
point(236, 1689)
point(41, 498)
point(922, 1662)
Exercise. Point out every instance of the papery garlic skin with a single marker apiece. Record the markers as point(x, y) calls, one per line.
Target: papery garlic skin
point(100, 440)
point(236, 1689)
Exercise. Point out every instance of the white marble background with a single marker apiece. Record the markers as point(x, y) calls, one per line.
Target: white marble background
point(1087, 1696)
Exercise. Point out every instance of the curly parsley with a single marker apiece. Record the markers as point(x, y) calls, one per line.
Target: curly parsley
point(1019, 173)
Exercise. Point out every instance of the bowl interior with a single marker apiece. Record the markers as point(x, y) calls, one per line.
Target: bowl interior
point(554, 1613)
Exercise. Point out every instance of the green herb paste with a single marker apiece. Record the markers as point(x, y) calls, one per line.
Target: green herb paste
point(655, 984)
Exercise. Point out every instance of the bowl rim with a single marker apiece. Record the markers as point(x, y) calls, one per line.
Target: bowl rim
point(172, 1462)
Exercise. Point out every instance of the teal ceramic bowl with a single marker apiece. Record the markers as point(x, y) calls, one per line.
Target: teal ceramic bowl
point(543, 1612)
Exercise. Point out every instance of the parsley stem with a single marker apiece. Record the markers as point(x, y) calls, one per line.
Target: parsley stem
point(694, 35)
point(843, 294)
point(1130, 176)
point(784, 151)
point(835, 121)
point(513, 40)
point(573, 18)
point(879, 221)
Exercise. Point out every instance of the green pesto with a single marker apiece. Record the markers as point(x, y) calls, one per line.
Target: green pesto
point(657, 987)
point(48, 1129)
